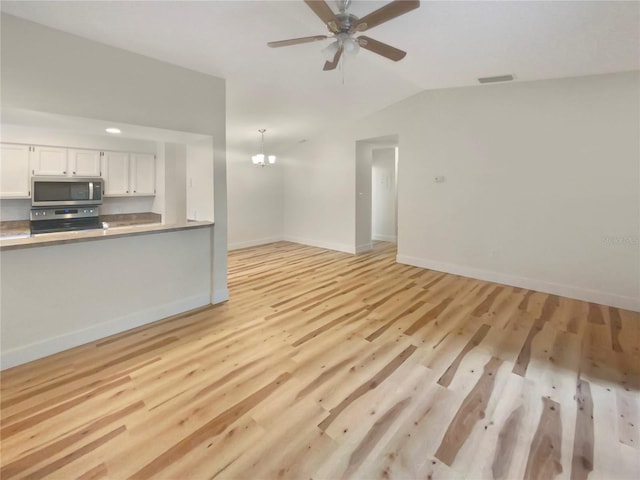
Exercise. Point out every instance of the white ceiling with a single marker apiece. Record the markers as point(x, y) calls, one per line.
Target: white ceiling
point(449, 44)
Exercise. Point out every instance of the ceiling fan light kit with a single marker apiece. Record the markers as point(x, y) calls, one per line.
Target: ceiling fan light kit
point(262, 160)
point(330, 51)
point(343, 27)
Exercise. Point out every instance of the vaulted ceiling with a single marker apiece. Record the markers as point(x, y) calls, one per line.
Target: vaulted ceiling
point(449, 44)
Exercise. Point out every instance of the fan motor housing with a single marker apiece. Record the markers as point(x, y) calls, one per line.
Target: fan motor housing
point(346, 21)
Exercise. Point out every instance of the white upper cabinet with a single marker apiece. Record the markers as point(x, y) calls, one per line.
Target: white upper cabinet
point(115, 171)
point(129, 174)
point(15, 173)
point(49, 161)
point(124, 173)
point(84, 163)
point(143, 174)
point(61, 161)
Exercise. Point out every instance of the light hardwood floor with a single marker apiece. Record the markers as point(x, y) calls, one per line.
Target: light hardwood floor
point(325, 365)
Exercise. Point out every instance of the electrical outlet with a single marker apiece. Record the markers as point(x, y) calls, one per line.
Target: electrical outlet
point(439, 179)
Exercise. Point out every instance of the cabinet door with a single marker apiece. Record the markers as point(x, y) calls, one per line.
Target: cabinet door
point(115, 171)
point(49, 161)
point(84, 163)
point(143, 174)
point(15, 171)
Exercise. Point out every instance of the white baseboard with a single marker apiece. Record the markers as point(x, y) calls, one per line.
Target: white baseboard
point(365, 247)
point(36, 350)
point(220, 296)
point(328, 245)
point(587, 295)
point(384, 238)
point(253, 243)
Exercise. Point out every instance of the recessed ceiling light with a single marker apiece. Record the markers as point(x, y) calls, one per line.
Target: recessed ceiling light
point(113, 130)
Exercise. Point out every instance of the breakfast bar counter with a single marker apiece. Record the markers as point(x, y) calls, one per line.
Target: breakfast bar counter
point(63, 289)
point(18, 240)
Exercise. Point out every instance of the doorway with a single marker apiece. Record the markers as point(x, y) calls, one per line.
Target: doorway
point(385, 199)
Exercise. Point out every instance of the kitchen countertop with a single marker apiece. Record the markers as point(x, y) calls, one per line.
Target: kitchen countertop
point(12, 228)
point(20, 228)
point(25, 240)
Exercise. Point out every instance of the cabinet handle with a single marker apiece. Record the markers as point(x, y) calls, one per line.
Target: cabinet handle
point(134, 191)
point(65, 172)
point(73, 173)
point(127, 191)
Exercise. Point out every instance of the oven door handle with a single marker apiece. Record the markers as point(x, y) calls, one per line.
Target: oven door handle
point(90, 190)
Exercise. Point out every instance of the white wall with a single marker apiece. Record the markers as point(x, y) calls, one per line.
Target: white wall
point(383, 194)
point(159, 204)
point(60, 296)
point(175, 183)
point(542, 184)
point(200, 180)
point(319, 192)
point(254, 201)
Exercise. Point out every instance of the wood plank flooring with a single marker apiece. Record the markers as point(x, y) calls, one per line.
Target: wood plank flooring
point(325, 365)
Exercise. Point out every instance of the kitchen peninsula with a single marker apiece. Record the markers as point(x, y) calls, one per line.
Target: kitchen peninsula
point(60, 292)
point(146, 255)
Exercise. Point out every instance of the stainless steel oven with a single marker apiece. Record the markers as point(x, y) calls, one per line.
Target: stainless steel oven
point(66, 191)
point(64, 219)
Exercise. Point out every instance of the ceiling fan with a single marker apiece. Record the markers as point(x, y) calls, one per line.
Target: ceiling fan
point(343, 26)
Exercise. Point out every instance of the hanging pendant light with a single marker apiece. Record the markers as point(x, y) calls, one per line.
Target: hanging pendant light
point(262, 160)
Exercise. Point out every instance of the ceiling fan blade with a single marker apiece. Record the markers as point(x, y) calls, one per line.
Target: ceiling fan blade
point(380, 48)
point(386, 13)
point(322, 10)
point(297, 41)
point(333, 64)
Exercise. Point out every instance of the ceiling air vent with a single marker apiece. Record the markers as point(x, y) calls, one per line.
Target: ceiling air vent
point(498, 78)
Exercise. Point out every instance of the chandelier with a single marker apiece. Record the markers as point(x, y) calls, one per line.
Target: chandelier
point(261, 159)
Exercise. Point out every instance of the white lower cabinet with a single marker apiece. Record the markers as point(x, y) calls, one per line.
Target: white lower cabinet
point(129, 174)
point(15, 171)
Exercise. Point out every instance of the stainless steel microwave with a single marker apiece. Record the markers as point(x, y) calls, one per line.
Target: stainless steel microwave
point(54, 191)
